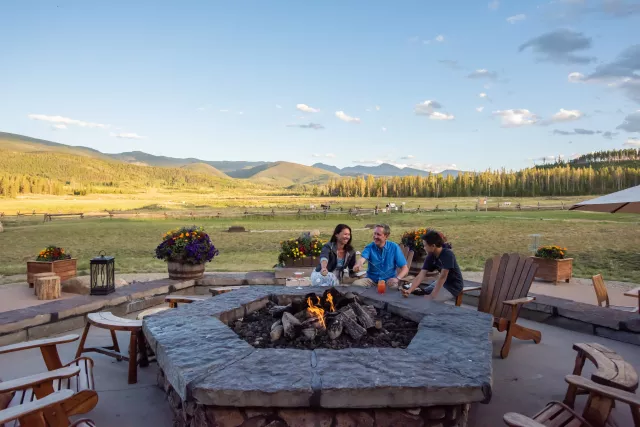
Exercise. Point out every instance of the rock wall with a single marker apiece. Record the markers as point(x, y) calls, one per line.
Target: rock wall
point(190, 414)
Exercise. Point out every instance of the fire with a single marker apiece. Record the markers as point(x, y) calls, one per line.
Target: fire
point(316, 311)
point(330, 301)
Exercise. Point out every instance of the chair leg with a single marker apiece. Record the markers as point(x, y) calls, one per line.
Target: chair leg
point(572, 390)
point(459, 300)
point(83, 339)
point(116, 347)
point(525, 334)
point(142, 348)
point(133, 358)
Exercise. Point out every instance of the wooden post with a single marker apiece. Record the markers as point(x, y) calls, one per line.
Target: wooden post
point(48, 287)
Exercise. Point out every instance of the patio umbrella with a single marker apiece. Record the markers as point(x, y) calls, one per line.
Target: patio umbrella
point(625, 201)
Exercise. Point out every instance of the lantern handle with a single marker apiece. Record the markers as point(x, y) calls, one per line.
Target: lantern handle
point(102, 254)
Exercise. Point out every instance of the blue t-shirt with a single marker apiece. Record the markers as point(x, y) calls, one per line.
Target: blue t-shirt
point(383, 262)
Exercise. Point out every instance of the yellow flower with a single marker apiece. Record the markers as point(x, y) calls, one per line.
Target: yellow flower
point(181, 235)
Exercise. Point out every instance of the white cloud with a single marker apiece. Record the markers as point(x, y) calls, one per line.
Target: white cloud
point(631, 123)
point(377, 108)
point(127, 135)
point(240, 113)
point(632, 142)
point(346, 118)
point(493, 5)
point(566, 115)
point(516, 117)
point(59, 127)
point(306, 108)
point(66, 121)
point(368, 162)
point(440, 38)
point(515, 18)
point(482, 95)
point(479, 109)
point(330, 155)
point(278, 106)
point(437, 115)
point(224, 111)
point(576, 77)
point(383, 129)
point(407, 157)
point(483, 74)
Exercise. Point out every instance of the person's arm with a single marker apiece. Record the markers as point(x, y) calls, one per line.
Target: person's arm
point(363, 258)
point(448, 262)
point(401, 264)
point(439, 283)
point(352, 262)
point(324, 259)
point(416, 282)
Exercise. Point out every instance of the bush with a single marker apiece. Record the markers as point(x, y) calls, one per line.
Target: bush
point(551, 252)
point(52, 253)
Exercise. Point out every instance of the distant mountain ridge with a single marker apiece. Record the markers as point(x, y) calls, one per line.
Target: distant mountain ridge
point(384, 169)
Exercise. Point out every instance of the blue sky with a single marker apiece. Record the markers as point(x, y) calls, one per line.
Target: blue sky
point(267, 80)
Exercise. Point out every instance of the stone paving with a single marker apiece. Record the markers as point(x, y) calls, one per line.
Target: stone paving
point(531, 376)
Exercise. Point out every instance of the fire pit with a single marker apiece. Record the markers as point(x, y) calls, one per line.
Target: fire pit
point(330, 320)
point(215, 374)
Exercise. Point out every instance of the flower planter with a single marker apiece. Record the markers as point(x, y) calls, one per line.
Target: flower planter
point(180, 271)
point(416, 263)
point(554, 270)
point(65, 269)
point(301, 262)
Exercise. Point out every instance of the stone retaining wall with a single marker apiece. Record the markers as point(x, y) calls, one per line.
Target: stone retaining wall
point(194, 415)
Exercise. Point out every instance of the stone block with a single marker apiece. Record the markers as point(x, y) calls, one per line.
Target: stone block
point(628, 337)
point(391, 418)
point(224, 417)
point(354, 419)
point(256, 305)
point(13, 338)
point(435, 413)
point(82, 285)
point(143, 304)
point(305, 418)
point(54, 328)
point(17, 320)
point(259, 421)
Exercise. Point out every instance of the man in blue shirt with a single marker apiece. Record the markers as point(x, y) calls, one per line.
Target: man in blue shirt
point(385, 259)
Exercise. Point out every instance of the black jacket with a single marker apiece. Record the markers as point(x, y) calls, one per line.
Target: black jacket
point(330, 252)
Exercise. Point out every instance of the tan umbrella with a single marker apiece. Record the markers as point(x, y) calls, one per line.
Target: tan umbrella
point(625, 201)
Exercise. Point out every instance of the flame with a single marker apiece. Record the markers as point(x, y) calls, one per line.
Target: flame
point(316, 311)
point(330, 301)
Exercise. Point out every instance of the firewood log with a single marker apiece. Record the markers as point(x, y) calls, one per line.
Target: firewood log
point(301, 315)
point(363, 317)
point(351, 326)
point(277, 310)
point(309, 333)
point(291, 325)
point(276, 332)
point(371, 310)
point(312, 322)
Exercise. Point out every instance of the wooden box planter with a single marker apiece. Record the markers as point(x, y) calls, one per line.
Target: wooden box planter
point(65, 269)
point(302, 262)
point(554, 270)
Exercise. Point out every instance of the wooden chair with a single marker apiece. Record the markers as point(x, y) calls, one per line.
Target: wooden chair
point(603, 296)
point(596, 412)
point(137, 343)
point(504, 290)
point(81, 382)
point(611, 370)
point(46, 412)
point(174, 300)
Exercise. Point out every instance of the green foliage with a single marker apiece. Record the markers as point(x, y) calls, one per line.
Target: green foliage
point(298, 248)
point(551, 252)
point(52, 253)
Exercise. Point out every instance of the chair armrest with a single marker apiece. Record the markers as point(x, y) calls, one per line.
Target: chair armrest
point(18, 411)
point(514, 302)
point(631, 399)
point(471, 288)
point(513, 419)
point(38, 343)
point(37, 379)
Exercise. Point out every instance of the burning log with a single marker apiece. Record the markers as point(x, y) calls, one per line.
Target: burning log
point(290, 325)
point(334, 330)
point(309, 333)
point(363, 316)
point(373, 313)
point(313, 322)
point(350, 325)
point(276, 330)
point(278, 310)
point(301, 316)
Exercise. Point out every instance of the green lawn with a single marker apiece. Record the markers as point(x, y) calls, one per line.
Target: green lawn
point(598, 242)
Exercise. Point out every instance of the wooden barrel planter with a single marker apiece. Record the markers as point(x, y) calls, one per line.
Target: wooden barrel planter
point(180, 271)
point(65, 269)
point(554, 270)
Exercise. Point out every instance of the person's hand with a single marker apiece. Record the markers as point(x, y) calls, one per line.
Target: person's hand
point(356, 268)
point(324, 271)
point(393, 282)
point(405, 293)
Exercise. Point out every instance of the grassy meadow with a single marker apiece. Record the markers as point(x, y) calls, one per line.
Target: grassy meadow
point(597, 242)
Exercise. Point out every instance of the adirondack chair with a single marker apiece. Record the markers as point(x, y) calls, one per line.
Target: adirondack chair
point(595, 414)
point(603, 296)
point(505, 285)
point(46, 412)
point(76, 375)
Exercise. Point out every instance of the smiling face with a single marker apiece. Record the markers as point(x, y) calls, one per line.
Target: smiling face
point(429, 248)
point(379, 238)
point(344, 236)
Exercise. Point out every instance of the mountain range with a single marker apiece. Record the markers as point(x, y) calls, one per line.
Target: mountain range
point(280, 174)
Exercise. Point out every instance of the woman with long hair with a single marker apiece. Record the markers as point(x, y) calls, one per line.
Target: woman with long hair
point(337, 258)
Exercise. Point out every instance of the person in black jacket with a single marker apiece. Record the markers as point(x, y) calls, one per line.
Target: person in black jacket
point(337, 258)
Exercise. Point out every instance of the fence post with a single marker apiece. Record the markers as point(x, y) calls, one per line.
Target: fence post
point(538, 205)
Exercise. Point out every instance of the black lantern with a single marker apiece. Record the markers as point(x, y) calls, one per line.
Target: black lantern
point(103, 275)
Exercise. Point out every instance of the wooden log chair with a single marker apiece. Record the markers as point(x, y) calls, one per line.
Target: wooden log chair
point(602, 296)
point(46, 412)
point(611, 370)
point(76, 376)
point(174, 300)
point(505, 285)
point(137, 342)
point(595, 414)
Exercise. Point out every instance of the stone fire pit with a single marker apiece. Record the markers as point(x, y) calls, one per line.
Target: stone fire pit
point(213, 377)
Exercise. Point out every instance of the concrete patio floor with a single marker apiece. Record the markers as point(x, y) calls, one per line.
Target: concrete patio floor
point(525, 382)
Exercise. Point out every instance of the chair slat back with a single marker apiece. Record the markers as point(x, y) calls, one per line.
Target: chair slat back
point(506, 277)
point(409, 258)
point(601, 290)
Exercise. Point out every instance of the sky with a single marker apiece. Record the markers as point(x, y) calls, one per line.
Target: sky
point(429, 84)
